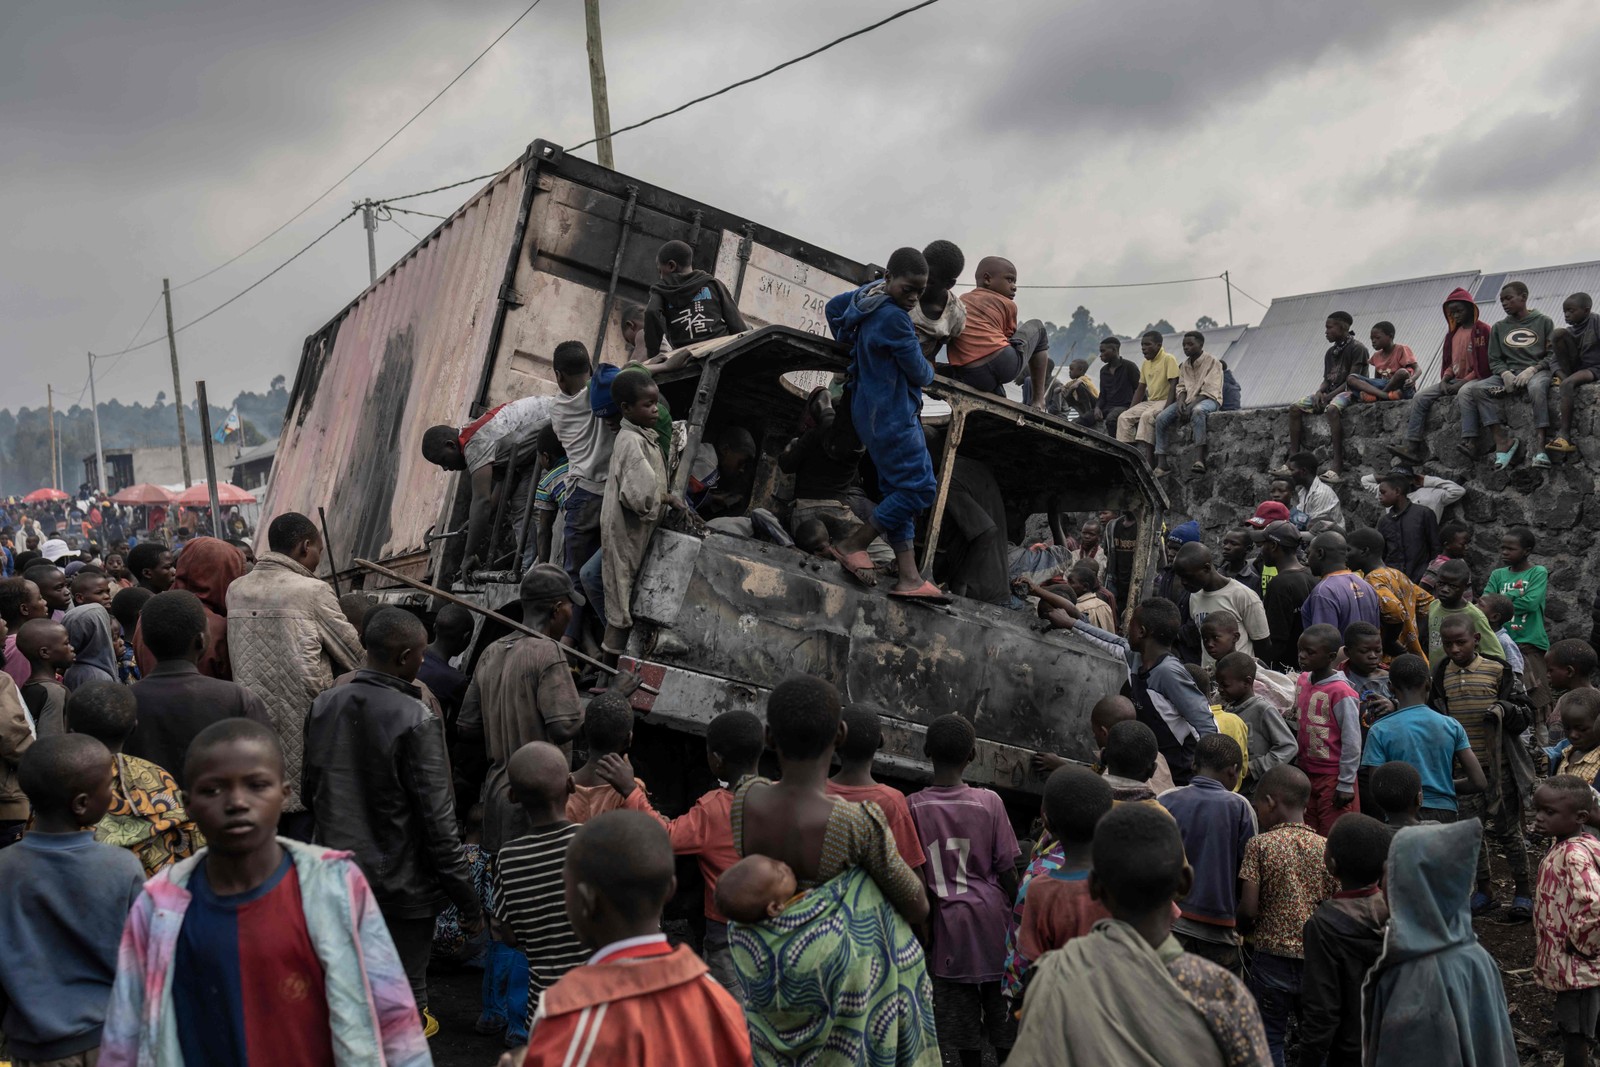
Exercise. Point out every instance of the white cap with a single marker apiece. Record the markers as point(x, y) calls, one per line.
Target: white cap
point(54, 549)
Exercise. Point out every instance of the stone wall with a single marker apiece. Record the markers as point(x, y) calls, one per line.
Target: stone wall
point(1560, 505)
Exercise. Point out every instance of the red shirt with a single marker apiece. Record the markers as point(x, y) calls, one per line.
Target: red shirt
point(1057, 909)
point(893, 803)
point(705, 831)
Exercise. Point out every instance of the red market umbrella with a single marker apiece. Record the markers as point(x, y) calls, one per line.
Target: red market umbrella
point(143, 494)
point(198, 496)
point(45, 496)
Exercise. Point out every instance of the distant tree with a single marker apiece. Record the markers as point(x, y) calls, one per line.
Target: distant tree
point(277, 383)
point(1159, 326)
point(1079, 338)
point(161, 398)
point(1206, 322)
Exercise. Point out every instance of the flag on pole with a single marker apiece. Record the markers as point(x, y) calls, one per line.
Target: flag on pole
point(230, 426)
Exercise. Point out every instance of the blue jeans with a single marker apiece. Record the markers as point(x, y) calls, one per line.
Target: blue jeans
point(582, 541)
point(1478, 406)
point(505, 989)
point(1275, 981)
point(1197, 420)
point(592, 582)
point(1421, 404)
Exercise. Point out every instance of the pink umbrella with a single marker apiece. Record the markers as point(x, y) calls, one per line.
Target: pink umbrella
point(143, 494)
point(198, 496)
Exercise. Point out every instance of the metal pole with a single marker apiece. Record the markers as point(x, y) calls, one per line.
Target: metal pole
point(369, 222)
point(55, 463)
point(327, 545)
point(597, 84)
point(1228, 282)
point(177, 385)
point(211, 459)
point(104, 483)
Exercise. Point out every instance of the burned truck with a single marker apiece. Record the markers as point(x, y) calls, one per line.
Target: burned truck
point(553, 249)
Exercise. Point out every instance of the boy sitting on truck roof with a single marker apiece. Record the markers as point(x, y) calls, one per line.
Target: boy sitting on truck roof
point(686, 306)
point(887, 373)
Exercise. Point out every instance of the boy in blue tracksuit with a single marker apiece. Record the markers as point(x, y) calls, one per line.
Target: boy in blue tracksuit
point(887, 373)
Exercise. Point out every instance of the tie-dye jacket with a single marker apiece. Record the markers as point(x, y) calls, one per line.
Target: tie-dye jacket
point(374, 1018)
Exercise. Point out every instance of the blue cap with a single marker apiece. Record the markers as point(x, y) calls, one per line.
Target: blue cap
point(1185, 532)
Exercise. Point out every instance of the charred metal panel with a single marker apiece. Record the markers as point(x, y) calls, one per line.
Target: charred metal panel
point(754, 613)
point(404, 356)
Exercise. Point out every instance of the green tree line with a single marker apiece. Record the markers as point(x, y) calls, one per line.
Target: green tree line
point(25, 434)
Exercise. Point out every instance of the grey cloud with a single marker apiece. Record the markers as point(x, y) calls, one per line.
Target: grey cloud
point(1152, 65)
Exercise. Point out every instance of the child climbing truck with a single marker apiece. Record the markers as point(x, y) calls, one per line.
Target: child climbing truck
point(887, 373)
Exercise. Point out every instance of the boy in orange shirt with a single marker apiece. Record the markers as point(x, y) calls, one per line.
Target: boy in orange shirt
point(606, 782)
point(992, 350)
point(863, 739)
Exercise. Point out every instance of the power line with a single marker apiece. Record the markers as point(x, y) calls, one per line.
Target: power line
point(1246, 295)
point(440, 189)
point(757, 77)
point(196, 321)
point(348, 174)
point(407, 211)
point(403, 227)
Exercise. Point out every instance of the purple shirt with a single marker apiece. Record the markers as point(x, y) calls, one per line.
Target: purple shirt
point(1340, 599)
point(17, 664)
point(968, 840)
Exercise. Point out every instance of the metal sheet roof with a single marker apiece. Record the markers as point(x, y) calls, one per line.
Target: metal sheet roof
point(1547, 288)
point(1280, 360)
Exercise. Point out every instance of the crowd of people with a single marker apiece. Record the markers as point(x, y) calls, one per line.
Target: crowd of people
point(240, 816)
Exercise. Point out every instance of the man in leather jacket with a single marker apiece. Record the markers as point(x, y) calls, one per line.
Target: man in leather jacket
point(378, 779)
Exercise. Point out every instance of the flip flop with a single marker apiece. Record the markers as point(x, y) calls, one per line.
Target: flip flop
point(1521, 911)
point(1562, 445)
point(1197, 468)
point(1542, 460)
point(857, 565)
point(1502, 460)
point(1481, 903)
point(1468, 450)
point(927, 592)
point(1331, 477)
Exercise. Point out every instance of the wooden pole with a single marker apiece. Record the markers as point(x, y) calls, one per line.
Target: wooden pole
point(597, 85)
point(503, 620)
point(211, 458)
point(55, 464)
point(177, 385)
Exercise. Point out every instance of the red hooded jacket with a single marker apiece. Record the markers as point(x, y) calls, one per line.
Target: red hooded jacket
point(206, 567)
point(1480, 339)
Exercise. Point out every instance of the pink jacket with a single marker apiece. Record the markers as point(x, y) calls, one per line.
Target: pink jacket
point(370, 1007)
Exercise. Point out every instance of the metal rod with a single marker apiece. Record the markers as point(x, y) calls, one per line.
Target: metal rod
point(333, 564)
point(103, 483)
point(211, 457)
point(177, 385)
point(616, 270)
point(369, 223)
point(489, 613)
point(1228, 283)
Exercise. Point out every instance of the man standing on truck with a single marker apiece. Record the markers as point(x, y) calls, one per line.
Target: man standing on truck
point(482, 448)
point(887, 373)
point(588, 440)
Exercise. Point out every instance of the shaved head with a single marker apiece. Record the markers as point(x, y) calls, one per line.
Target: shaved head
point(539, 770)
point(995, 265)
point(625, 857)
point(56, 769)
point(1192, 558)
point(36, 634)
point(1108, 711)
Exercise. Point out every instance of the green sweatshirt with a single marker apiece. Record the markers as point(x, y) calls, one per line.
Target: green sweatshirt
point(1526, 591)
point(1516, 344)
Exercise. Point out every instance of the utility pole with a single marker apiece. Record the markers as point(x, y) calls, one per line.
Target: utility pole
point(177, 385)
point(1229, 283)
point(55, 463)
point(211, 459)
point(369, 222)
point(102, 482)
point(597, 84)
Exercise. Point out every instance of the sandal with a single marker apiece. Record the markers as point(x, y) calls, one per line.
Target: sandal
point(1481, 903)
point(1542, 460)
point(857, 565)
point(1502, 460)
point(1521, 910)
point(1198, 467)
point(1469, 448)
point(1562, 445)
point(1160, 472)
point(927, 592)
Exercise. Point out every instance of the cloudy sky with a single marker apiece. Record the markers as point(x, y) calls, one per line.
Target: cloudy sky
point(1300, 146)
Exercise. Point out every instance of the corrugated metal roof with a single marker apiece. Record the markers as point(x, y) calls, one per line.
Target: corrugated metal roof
point(1547, 288)
point(1280, 360)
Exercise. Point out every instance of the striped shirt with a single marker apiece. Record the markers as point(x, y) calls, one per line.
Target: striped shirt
point(529, 897)
point(1469, 692)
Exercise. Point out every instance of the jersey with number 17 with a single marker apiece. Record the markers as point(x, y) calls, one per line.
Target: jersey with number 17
point(968, 841)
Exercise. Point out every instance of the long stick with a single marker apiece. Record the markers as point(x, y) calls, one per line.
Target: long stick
point(333, 563)
point(487, 613)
